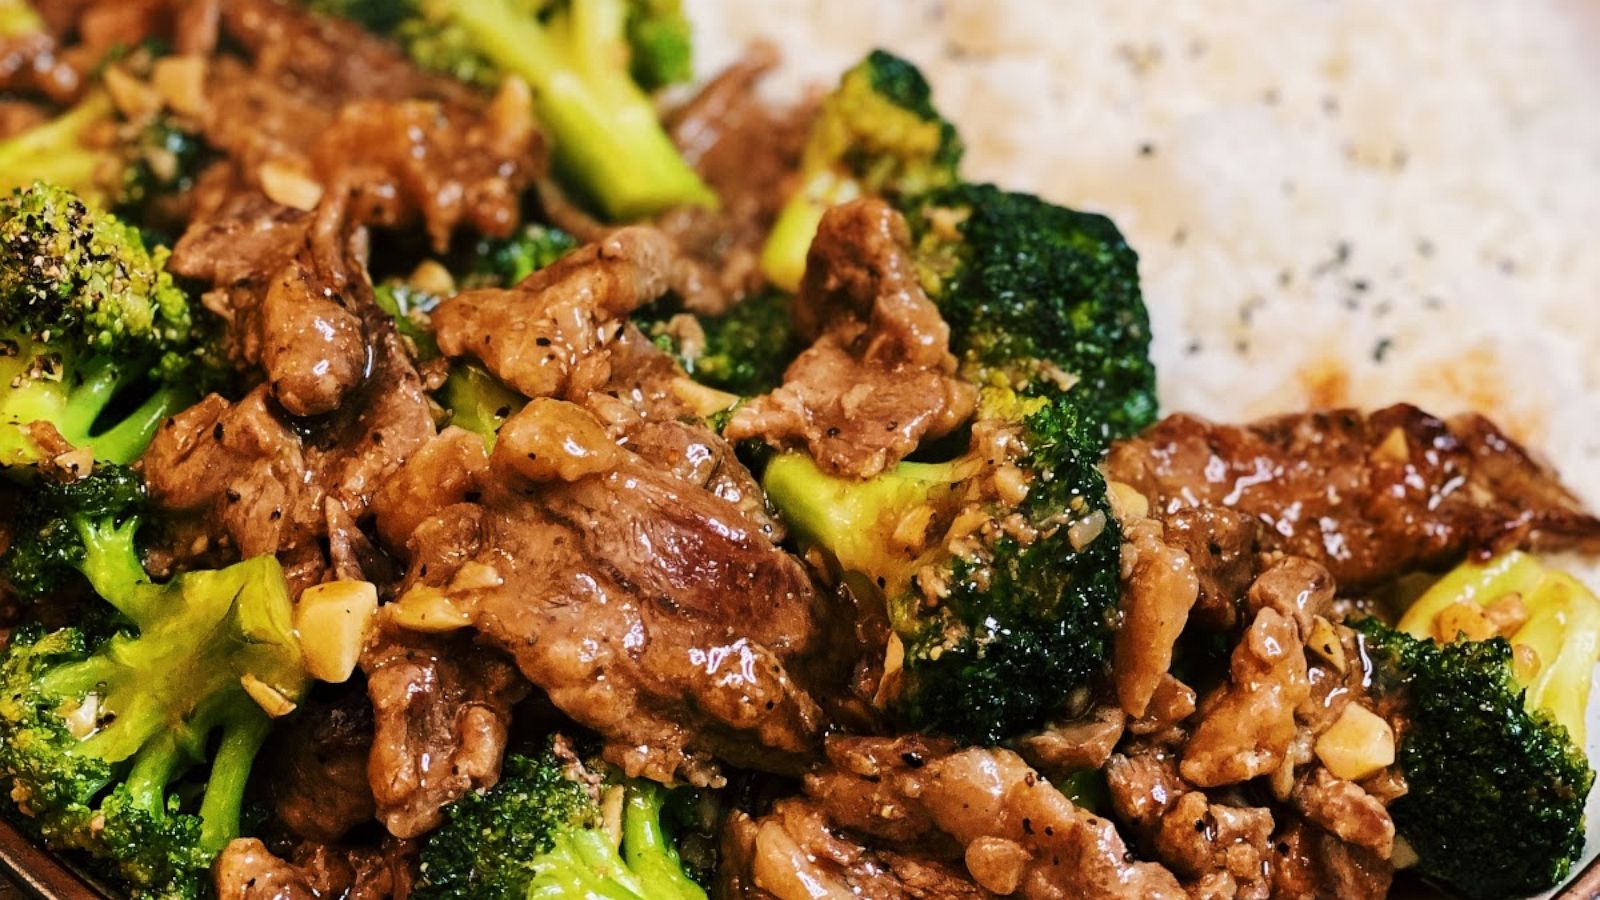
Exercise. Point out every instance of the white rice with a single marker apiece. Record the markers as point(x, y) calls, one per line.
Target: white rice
point(1355, 202)
point(1452, 148)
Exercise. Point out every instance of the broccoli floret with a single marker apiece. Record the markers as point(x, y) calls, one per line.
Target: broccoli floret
point(1047, 321)
point(540, 832)
point(502, 262)
point(743, 351)
point(1495, 786)
point(95, 339)
point(1002, 607)
point(1039, 298)
point(110, 162)
point(1491, 746)
point(96, 737)
point(580, 57)
point(876, 134)
point(48, 548)
point(660, 43)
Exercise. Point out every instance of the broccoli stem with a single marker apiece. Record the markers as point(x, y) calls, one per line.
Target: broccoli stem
point(111, 563)
point(647, 848)
point(583, 863)
point(1563, 629)
point(54, 153)
point(783, 257)
point(74, 408)
point(607, 136)
point(1514, 572)
point(852, 520)
point(230, 771)
point(154, 767)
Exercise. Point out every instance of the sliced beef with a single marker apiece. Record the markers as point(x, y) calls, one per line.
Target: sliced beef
point(1064, 748)
point(649, 608)
point(447, 470)
point(1344, 809)
point(1159, 589)
point(245, 478)
point(441, 707)
point(414, 159)
point(747, 151)
point(1367, 496)
point(240, 470)
point(793, 853)
point(553, 335)
point(880, 376)
point(1219, 849)
point(1245, 728)
point(1014, 832)
point(247, 870)
point(319, 767)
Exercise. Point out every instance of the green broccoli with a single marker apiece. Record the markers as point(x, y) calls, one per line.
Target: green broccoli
point(95, 339)
point(1039, 299)
point(541, 832)
point(98, 734)
point(1009, 606)
point(48, 548)
point(1047, 321)
point(660, 42)
point(877, 134)
point(502, 262)
point(1495, 786)
point(581, 58)
point(743, 351)
point(108, 161)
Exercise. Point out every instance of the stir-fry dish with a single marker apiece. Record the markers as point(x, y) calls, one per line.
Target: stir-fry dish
point(438, 462)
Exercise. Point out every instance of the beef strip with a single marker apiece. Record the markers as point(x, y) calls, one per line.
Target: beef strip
point(649, 608)
point(1245, 728)
point(441, 707)
point(1064, 748)
point(247, 870)
point(553, 334)
point(1015, 833)
point(880, 376)
point(412, 158)
point(793, 853)
point(1159, 588)
point(1345, 810)
point(747, 151)
point(1368, 496)
point(1219, 849)
point(245, 479)
point(319, 767)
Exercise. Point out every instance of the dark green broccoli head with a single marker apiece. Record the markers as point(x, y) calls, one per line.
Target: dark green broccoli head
point(1039, 298)
point(1494, 805)
point(1023, 623)
point(161, 159)
point(743, 351)
point(96, 738)
point(877, 134)
point(660, 42)
point(47, 550)
point(95, 338)
point(503, 262)
point(489, 846)
point(539, 833)
point(1003, 606)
